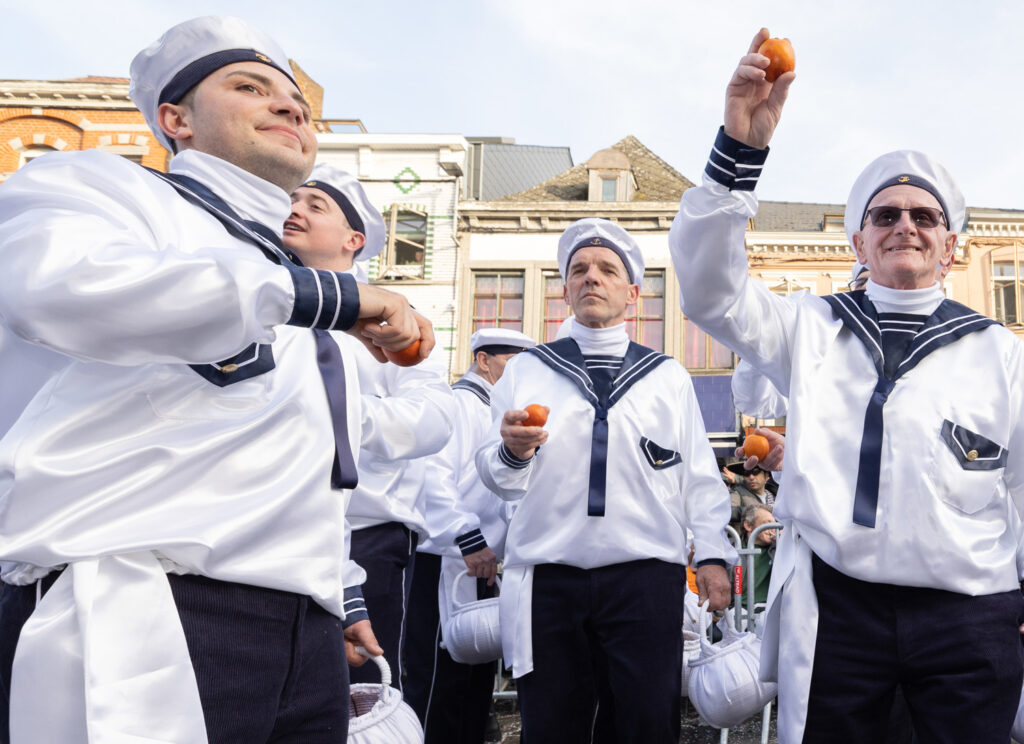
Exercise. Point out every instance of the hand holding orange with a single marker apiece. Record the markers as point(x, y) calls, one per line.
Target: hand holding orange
point(406, 357)
point(756, 446)
point(781, 57)
point(537, 415)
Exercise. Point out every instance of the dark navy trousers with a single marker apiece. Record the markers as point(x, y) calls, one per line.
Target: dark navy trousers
point(270, 665)
point(386, 553)
point(452, 700)
point(616, 627)
point(957, 659)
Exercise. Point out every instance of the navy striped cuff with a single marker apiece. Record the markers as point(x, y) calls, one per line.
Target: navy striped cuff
point(506, 456)
point(471, 542)
point(323, 299)
point(733, 164)
point(712, 562)
point(354, 606)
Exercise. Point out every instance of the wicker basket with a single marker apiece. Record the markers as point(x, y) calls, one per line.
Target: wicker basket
point(472, 634)
point(377, 714)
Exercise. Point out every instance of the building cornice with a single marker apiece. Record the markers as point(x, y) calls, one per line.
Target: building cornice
point(65, 94)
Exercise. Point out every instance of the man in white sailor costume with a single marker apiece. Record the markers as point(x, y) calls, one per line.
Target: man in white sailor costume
point(408, 412)
point(902, 487)
point(592, 593)
point(453, 700)
point(174, 462)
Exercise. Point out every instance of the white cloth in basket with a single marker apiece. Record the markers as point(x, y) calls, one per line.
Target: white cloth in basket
point(378, 715)
point(723, 683)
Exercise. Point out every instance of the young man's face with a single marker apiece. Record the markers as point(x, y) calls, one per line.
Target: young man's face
point(597, 287)
point(251, 115)
point(318, 232)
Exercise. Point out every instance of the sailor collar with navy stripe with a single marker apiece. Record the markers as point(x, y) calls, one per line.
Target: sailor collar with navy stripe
point(949, 322)
point(564, 356)
point(476, 385)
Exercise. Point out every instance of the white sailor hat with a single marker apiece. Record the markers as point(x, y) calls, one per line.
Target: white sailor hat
point(346, 191)
point(904, 167)
point(597, 231)
point(500, 341)
point(175, 63)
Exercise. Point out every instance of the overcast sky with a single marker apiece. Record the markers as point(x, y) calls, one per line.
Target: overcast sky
point(944, 77)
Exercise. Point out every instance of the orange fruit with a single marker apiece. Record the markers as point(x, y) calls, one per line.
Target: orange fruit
point(780, 57)
point(537, 415)
point(756, 446)
point(406, 357)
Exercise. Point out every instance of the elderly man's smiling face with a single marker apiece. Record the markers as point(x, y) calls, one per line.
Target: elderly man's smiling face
point(905, 254)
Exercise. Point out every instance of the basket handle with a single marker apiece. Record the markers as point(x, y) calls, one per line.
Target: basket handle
point(382, 665)
point(455, 588)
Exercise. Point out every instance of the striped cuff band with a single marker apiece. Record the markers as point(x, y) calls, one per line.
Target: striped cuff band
point(712, 562)
point(506, 456)
point(354, 606)
point(733, 164)
point(471, 542)
point(323, 299)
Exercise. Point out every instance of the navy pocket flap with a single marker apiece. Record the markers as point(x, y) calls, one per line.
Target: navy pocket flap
point(659, 457)
point(972, 451)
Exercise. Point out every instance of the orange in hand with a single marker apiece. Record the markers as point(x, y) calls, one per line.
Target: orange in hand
point(780, 57)
point(756, 446)
point(406, 357)
point(537, 415)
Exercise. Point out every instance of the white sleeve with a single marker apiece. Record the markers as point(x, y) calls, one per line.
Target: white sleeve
point(414, 418)
point(1013, 474)
point(505, 475)
point(706, 498)
point(755, 395)
point(97, 267)
point(352, 578)
point(451, 526)
point(716, 291)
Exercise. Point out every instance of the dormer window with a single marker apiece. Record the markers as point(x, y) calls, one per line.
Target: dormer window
point(611, 177)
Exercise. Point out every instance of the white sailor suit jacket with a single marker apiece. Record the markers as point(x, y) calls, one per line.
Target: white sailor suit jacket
point(159, 413)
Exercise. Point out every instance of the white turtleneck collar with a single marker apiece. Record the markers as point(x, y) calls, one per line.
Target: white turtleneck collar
point(611, 341)
point(249, 195)
point(474, 377)
point(909, 301)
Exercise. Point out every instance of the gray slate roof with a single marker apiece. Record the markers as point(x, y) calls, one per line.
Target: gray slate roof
point(656, 180)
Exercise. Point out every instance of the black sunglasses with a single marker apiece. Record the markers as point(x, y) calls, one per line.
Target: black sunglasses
point(926, 217)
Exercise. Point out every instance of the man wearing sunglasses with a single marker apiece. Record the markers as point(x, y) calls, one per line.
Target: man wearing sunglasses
point(902, 495)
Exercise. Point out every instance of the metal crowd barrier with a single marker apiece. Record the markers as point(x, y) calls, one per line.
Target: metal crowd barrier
point(745, 616)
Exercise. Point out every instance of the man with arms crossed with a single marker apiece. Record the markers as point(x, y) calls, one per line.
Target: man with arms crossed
point(901, 493)
point(594, 562)
point(173, 464)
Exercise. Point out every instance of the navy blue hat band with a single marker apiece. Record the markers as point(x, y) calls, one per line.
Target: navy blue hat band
point(354, 220)
point(499, 349)
point(910, 180)
point(194, 73)
point(603, 243)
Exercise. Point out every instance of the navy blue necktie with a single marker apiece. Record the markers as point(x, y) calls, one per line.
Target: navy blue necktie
point(602, 377)
point(328, 358)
